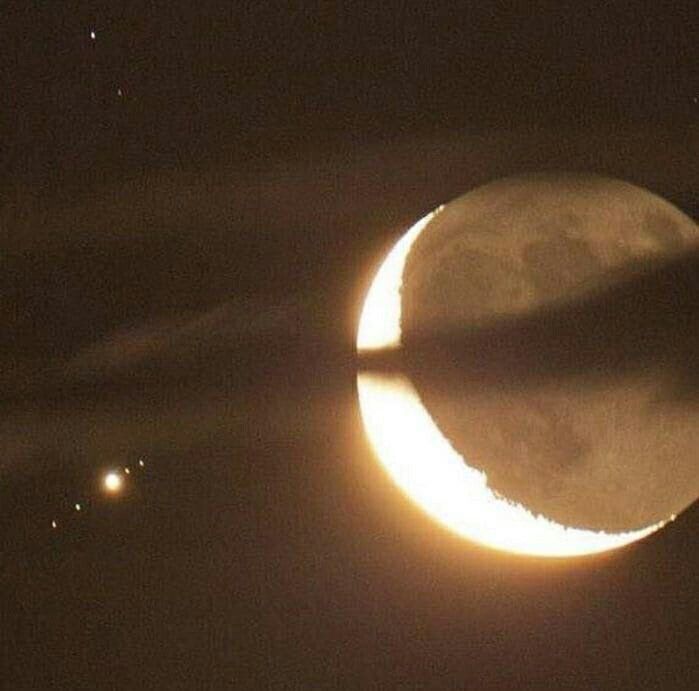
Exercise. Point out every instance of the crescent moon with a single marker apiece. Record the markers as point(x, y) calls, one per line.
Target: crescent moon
point(422, 462)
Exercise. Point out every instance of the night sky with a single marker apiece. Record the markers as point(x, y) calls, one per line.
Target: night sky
point(193, 199)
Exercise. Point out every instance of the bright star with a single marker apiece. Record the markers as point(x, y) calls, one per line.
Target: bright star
point(113, 482)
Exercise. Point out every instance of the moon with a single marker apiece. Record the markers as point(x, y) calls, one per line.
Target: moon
point(505, 250)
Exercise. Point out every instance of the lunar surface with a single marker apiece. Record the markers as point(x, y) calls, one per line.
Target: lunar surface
point(561, 318)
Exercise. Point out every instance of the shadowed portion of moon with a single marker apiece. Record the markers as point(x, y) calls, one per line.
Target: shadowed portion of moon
point(606, 449)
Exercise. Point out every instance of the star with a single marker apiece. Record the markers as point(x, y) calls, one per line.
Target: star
point(113, 482)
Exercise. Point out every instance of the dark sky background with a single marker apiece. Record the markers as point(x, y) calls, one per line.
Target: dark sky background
point(192, 205)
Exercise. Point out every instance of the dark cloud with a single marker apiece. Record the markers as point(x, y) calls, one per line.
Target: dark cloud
point(643, 319)
point(179, 282)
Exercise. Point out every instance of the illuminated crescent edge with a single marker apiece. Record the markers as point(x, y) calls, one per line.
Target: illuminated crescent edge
point(422, 462)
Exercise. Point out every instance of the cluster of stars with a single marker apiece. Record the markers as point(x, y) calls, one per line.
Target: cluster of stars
point(112, 483)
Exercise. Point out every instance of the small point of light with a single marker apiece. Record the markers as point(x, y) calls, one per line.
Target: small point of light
point(127, 471)
point(93, 35)
point(120, 92)
point(78, 507)
point(141, 463)
point(54, 524)
point(113, 482)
